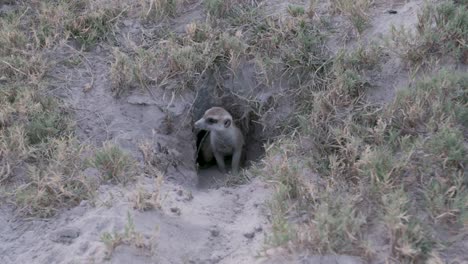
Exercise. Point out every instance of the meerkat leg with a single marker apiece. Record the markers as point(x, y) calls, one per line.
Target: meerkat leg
point(220, 161)
point(236, 161)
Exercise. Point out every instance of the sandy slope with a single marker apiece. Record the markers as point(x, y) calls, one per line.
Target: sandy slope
point(216, 226)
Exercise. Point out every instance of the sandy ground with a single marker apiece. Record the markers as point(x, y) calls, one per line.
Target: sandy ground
point(223, 225)
point(200, 221)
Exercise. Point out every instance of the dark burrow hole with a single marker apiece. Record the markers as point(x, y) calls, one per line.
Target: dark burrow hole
point(209, 175)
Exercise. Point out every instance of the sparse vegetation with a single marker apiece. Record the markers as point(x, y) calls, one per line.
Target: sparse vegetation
point(129, 237)
point(36, 130)
point(376, 149)
point(144, 200)
point(344, 170)
point(442, 30)
point(115, 164)
point(122, 73)
point(58, 183)
point(92, 26)
point(296, 11)
point(155, 9)
point(355, 11)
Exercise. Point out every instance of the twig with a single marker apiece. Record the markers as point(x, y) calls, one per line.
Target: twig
point(18, 70)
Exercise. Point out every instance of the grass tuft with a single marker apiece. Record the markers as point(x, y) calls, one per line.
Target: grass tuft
point(145, 200)
point(442, 30)
point(122, 73)
point(91, 27)
point(355, 11)
point(155, 9)
point(58, 183)
point(128, 237)
point(296, 11)
point(115, 164)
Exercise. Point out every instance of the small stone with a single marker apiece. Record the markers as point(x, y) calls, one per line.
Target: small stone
point(216, 257)
point(214, 232)
point(258, 228)
point(249, 235)
point(65, 236)
point(176, 210)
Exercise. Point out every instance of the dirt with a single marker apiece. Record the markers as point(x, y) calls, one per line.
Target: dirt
point(208, 228)
point(201, 220)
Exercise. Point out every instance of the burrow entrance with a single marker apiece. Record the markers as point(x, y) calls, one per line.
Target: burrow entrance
point(245, 119)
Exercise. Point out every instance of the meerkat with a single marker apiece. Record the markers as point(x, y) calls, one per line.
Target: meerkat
point(225, 138)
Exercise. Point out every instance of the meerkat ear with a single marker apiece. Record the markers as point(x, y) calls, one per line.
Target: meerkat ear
point(227, 123)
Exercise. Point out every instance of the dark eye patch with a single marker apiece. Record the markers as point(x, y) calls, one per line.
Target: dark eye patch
point(211, 121)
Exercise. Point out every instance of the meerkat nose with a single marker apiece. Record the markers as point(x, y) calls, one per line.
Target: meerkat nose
point(198, 124)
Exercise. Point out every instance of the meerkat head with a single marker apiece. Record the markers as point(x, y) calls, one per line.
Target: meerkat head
point(215, 119)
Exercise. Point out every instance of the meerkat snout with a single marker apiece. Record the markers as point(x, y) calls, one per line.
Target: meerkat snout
point(225, 138)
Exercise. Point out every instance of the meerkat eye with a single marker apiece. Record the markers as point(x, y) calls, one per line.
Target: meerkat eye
point(211, 121)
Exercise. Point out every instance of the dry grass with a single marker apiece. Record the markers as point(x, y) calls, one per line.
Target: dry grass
point(156, 9)
point(129, 237)
point(343, 165)
point(42, 163)
point(144, 200)
point(122, 73)
point(114, 163)
point(442, 30)
point(92, 26)
point(59, 183)
point(222, 8)
point(391, 162)
point(355, 11)
point(378, 166)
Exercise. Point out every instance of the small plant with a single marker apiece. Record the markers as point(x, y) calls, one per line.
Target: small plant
point(379, 166)
point(116, 165)
point(159, 8)
point(197, 33)
point(91, 27)
point(448, 144)
point(282, 231)
point(56, 184)
point(356, 11)
point(122, 73)
point(186, 58)
point(296, 11)
point(111, 240)
point(216, 8)
point(336, 225)
point(46, 125)
point(144, 200)
point(447, 200)
point(11, 35)
point(227, 8)
point(129, 237)
point(411, 240)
